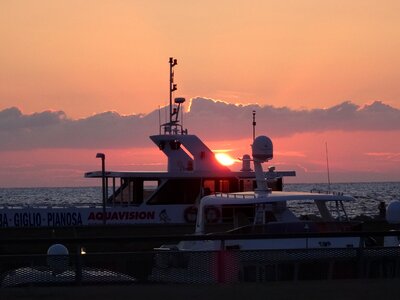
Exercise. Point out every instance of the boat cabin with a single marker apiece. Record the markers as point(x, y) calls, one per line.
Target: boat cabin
point(277, 212)
point(162, 188)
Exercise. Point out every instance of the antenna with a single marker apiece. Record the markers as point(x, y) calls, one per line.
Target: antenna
point(173, 126)
point(159, 118)
point(182, 116)
point(327, 167)
point(254, 125)
point(172, 87)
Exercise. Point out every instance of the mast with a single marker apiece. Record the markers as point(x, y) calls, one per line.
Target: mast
point(254, 125)
point(172, 87)
point(172, 125)
point(327, 167)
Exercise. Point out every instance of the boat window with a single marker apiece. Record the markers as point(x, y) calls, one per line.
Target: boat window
point(133, 191)
point(276, 184)
point(305, 209)
point(149, 187)
point(238, 215)
point(125, 194)
point(219, 185)
point(224, 186)
point(209, 186)
point(177, 191)
point(247, 185)
point(318, 210)
point(337, 210)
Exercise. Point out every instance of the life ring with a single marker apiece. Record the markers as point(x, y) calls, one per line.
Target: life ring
point(212, 214)
point(190, 214)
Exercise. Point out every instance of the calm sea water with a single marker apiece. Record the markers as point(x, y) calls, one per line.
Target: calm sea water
point(368, 195)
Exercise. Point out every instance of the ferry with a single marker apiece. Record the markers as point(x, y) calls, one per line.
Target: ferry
point(151, 200)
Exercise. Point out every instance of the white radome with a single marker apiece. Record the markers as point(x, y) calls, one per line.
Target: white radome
point(262, 148)
point(393, 212)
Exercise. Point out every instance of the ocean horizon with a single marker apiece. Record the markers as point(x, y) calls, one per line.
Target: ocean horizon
point(368, 195)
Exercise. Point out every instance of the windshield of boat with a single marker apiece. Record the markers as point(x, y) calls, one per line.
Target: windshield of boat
point(312, 210)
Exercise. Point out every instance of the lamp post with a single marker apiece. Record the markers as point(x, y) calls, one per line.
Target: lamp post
point(103, 182)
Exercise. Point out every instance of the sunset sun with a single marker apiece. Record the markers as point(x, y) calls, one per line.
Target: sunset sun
point(225, 159)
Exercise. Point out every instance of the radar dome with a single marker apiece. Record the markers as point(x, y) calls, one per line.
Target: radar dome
point(262, 148)
point(393, 212)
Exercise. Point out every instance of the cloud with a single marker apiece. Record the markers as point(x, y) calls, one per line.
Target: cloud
point(210, 119)
point(390, 156)
point(12, 118)
point(290, 153)
point(53, 129)
point(220, 119)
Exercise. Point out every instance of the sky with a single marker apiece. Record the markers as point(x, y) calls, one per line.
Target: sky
point(81, 77)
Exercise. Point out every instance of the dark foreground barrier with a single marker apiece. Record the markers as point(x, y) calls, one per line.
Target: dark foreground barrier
point(80, 266)
point(350, 289)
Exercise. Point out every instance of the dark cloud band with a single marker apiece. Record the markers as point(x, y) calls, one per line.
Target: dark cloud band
point(208, 118)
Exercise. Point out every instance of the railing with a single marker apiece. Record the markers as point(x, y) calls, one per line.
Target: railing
point(87, 263)
point(235, 196)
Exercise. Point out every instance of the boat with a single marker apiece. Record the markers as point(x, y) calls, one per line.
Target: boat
point(149, 199)
point(267, 229)
point(265, 211)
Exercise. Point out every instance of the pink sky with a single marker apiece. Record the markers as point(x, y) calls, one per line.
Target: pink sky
point(50, 149)
point(351, 160)
point(300, 58)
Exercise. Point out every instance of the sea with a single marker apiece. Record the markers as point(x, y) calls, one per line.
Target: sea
point(368, 195)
